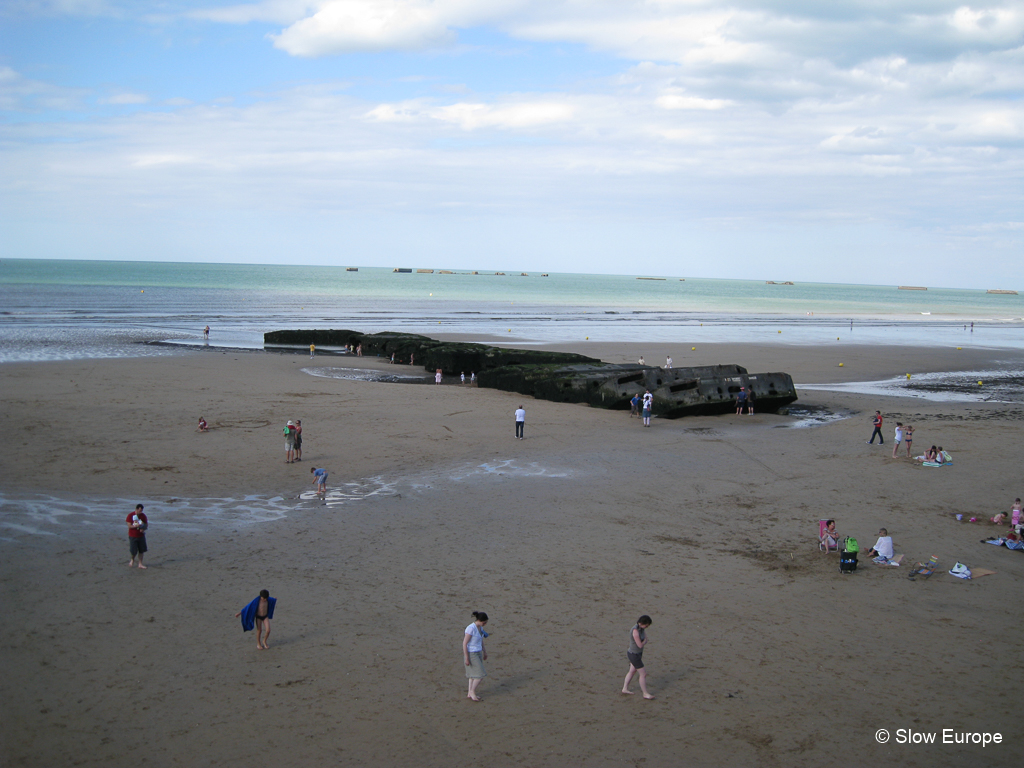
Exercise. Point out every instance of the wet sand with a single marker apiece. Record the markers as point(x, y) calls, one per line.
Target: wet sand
point(761, 653)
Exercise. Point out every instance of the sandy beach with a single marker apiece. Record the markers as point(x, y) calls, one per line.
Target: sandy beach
point(761, 652)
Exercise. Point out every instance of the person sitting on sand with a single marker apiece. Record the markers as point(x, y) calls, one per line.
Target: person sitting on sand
point(319, 480)
point(942, 456)
point(202, 425)
point(1014, 512)
point(830, 537)
point(929, 455)
point(883, 547)
point(258, 614)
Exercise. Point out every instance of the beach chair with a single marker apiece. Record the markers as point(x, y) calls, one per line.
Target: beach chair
point(924, 570)
point(821, 544)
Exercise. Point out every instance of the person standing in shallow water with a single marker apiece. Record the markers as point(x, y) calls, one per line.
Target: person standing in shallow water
point(474, 654)
point(137, 525)
point(635, 654)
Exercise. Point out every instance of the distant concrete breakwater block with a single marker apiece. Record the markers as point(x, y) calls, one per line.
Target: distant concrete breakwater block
point(564, 377)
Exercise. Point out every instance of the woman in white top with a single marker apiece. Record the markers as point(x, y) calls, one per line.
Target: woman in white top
point(897, 438)
point(474, 654)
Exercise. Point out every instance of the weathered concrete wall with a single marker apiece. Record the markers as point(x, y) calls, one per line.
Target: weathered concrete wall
point(565, 377)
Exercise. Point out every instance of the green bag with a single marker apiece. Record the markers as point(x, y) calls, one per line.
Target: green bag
point(851, 545)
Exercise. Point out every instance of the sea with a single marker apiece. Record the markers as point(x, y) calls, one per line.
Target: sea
point(73, 309)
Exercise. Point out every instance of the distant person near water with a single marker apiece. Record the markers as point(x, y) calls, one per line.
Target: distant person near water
point(312, 351)
point(298, 440)
point(137, 525)
point(877, 422)
point(258, 614)
point(520, 422)
point(474, 654)
point(635, 654)
point(206, 333)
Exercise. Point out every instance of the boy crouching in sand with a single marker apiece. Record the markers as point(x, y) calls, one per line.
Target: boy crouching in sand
point(319, 480)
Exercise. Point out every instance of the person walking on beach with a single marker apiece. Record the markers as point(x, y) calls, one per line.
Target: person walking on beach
point(520, 422)
point(877, 421)
point(298, 440)
point(635, 654)
point(289, 442)
point(258, 614)
point(137, 525)
point(206, 333)
point(897, 438)
point(474, 654)
point(462, 377)
point(648, 402)
point(320, 481)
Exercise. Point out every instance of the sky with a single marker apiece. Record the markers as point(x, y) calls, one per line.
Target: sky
point(865, 141)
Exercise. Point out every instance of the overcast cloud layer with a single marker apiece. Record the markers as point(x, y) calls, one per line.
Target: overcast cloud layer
point(873, 142)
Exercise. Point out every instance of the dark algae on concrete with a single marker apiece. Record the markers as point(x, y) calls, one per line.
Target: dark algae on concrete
point(565, 377)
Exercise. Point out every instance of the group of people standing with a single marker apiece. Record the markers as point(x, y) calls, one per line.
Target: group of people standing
point(293, 441)
point(641, 407)
point(904, 435)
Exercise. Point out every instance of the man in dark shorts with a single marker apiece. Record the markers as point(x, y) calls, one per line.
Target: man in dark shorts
point(741, 400)
point(137, 525)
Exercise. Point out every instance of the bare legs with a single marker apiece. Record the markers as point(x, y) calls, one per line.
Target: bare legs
point(262, 633)
point(132, 561)
point(643, 681)
point(473, 683)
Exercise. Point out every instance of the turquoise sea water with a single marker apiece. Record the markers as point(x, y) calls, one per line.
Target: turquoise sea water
point(53, 309)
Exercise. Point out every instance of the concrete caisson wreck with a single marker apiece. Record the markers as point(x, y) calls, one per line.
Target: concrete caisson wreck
point(566, 377)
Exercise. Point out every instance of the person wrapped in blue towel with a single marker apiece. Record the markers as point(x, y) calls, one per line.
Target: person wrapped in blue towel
point(258, 614)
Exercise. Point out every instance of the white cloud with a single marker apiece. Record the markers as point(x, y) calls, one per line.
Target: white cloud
point(125, 98)
point(21, 94)
point(681, 101)
point(471, 116)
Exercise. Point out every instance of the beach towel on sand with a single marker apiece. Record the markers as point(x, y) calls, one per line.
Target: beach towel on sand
point(249, 613)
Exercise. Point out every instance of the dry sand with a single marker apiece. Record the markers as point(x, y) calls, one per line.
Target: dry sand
point(761, 653)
